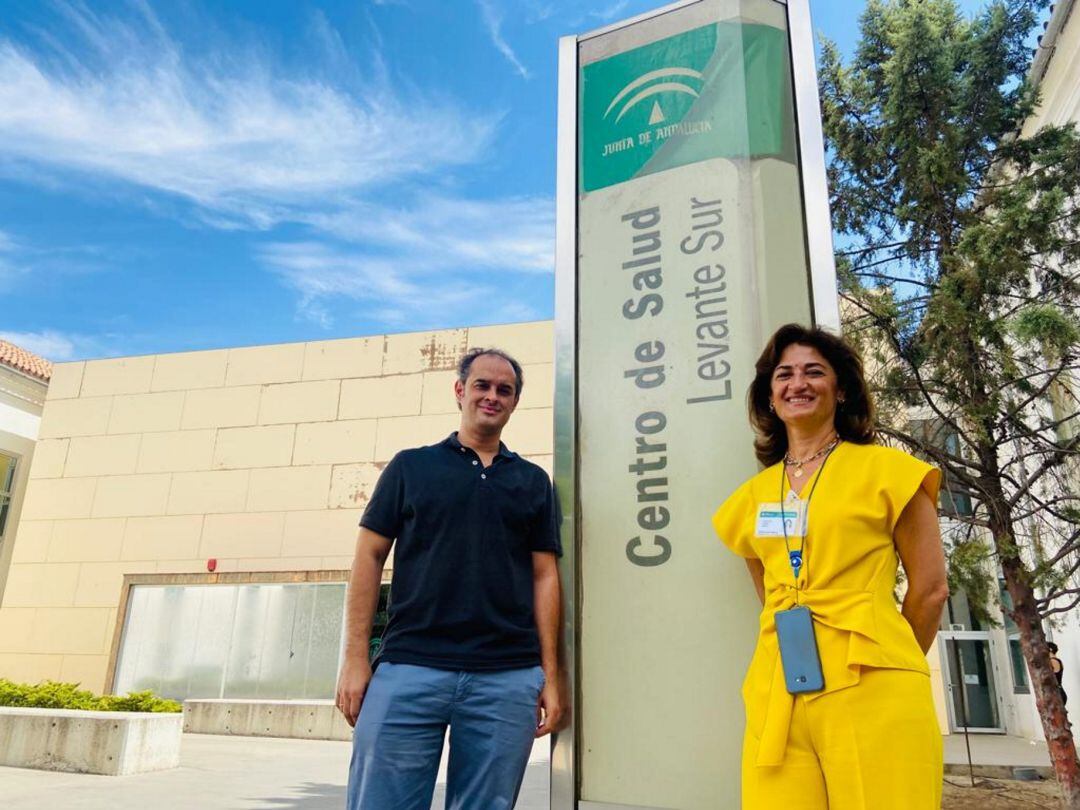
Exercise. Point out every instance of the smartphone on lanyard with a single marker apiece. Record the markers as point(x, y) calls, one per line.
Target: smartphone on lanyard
point(798, 650)
point(795, 627)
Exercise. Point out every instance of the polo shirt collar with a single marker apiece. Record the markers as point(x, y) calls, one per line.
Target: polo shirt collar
point(504, 452)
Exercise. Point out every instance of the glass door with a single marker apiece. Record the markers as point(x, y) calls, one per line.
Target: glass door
point(972, 692)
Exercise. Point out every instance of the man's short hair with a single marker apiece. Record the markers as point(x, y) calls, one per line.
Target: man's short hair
point(467, 360)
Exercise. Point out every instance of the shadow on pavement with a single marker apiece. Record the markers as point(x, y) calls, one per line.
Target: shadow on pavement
point(313, 796)
point(325, 796)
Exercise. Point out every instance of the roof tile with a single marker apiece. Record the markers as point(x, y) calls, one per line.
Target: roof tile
point(27, 362)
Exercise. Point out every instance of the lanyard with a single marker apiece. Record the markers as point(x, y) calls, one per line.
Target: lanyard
point(798, 557)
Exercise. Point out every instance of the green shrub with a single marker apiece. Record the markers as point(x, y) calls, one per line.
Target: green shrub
point(139, 702)
point(55, 695)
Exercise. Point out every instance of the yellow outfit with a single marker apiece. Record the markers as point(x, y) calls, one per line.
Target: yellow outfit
point(869, 740)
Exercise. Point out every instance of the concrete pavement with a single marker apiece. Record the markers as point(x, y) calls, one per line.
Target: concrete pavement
point(229, 773)
point(261, 773)
point(995, 755)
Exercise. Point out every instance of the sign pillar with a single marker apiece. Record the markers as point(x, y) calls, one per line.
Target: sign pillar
point(690, 205)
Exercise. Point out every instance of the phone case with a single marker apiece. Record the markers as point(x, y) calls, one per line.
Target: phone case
point(798, 650)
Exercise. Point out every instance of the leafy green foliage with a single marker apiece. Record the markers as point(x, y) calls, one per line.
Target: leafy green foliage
point(55, 695)
point(958, 222)
point(1052, 329)
point(960, 228)
point(968, 558)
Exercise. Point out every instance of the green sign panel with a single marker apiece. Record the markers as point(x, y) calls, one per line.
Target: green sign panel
point(721, 90)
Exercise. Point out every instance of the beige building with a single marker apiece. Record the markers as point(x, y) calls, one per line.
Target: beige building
point(243, 469)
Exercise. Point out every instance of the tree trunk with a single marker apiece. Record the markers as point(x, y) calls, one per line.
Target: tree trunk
point(1048, 697)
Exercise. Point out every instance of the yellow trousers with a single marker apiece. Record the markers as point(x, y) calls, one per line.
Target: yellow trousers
point(873, 746)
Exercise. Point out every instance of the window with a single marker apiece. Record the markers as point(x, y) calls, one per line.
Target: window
point(268, 640)
point(954, 500)
point(958, 614)
point(1017, 663)
point(7, 488)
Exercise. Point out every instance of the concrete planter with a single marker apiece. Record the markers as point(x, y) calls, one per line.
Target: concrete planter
point(109, 743)
point(298, 719)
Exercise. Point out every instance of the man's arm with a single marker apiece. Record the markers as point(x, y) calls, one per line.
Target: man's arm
point(361, 602)
point(547, 606)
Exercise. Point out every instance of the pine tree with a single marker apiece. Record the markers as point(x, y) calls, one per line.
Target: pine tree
point(959, 259)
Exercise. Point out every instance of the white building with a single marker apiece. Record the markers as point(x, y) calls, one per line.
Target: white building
point(1056, 70)
point(991, 668)
point(24, 379)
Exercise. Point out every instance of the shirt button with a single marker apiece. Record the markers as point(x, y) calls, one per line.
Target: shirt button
point(475, 462)
point(483, 475)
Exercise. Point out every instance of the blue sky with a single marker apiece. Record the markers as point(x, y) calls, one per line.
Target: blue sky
point(183, 174)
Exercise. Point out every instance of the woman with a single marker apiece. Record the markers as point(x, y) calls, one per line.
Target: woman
point(1058, 669)
point(848, 510)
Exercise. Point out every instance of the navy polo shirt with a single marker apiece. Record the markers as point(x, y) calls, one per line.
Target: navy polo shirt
point(462, 590)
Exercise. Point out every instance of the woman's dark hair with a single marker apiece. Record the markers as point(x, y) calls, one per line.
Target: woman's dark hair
point(854, 419)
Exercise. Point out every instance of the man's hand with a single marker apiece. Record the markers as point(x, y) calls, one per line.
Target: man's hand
point(352, 685)
point(549, 708)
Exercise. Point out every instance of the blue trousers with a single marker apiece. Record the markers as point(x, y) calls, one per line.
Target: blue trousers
point(399, 735)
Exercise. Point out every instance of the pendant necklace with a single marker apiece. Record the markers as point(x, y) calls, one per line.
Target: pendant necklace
point(798, 463)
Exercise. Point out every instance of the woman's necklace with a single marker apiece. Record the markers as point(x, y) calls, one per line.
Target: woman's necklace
point(799, 463)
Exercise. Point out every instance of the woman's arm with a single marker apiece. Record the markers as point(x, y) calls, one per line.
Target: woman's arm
point(757, 573)
point(918, 541)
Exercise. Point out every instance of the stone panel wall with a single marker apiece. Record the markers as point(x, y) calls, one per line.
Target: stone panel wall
point(260, 457)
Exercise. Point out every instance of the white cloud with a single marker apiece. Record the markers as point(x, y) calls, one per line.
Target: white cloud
point(419, 260)
point(23, 262)
point(319, 271)
point(51, 345)
point(10, 268)
point(325, 277)
point(493, 19)
point(253, 148)
point(231, 134)
point(109, 340)
point(538, 12)
point(610, 12)
point(515, 234)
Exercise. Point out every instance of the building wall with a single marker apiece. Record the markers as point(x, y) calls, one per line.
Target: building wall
point(1059, 89)
point(261, 458)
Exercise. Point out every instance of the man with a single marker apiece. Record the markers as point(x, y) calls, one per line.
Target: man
point(472, 638)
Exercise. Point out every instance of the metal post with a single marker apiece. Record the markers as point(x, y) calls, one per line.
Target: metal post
point(963, 706)
point(564, 770)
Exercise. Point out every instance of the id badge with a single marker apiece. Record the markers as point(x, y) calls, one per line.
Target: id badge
point(798, 650)
point(781, 519)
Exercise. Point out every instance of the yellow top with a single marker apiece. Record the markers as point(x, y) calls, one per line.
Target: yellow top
point(847, 579)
